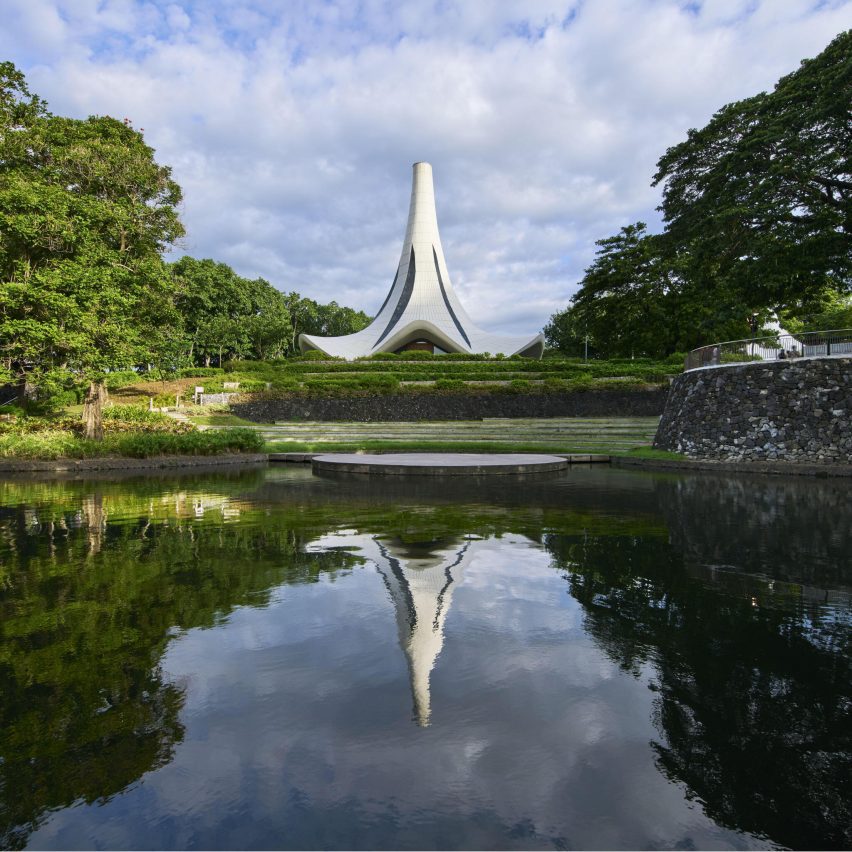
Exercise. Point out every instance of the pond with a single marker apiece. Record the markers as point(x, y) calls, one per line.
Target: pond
point(599, 658)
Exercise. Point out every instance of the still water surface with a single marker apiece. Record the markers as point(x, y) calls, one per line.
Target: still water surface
point(267, 659)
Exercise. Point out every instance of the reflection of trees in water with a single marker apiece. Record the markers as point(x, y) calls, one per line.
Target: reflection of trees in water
point(87, 608)
point(753, 677)
point(793, 529)
point(753, 700)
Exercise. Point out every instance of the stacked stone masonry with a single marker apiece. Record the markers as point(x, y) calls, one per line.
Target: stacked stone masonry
point(789, 410)
point(408, 407)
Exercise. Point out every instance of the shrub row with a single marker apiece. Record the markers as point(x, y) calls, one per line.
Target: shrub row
point(644, 375)
point(117, 419)
point(142, 445)
point(60, 443)
point(427, 361)
point(368, 382)
point(340, 388)
point(246, 386)
point(135, 414)
point(465, 371)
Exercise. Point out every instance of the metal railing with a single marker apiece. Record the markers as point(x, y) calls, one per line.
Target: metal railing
point(774, 348)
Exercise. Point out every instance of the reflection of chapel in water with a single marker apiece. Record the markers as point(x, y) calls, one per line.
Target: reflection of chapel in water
point(420, 578)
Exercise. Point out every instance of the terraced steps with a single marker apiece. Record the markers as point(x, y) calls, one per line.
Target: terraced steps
point(586, 433)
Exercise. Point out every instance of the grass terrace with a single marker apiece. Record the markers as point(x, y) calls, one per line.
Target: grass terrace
point(545, 435)
point(411, 372)
point(132, 430)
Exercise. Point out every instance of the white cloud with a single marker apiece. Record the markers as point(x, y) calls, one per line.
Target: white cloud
point(292, 127)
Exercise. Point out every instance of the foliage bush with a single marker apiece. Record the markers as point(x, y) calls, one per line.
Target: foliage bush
point(122, 378)
point(417, 355)
point(118, 419)
point(379, 383)
point(199, 372)
point(20, 422)
point(579, 381)
point(134, 414)
point(738, 357)
point(61, 443)
point(252, 385)
point(63, 398)
point(136, 418)
point(315, 355)
point(246, 386)
point(449, 384)
point(384, 373)
point(471, 370)
point(207, 443)
point(44, 445)
point(382, 380)
point(246, 366)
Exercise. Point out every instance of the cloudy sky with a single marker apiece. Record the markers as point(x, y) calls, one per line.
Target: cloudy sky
point(292, 124)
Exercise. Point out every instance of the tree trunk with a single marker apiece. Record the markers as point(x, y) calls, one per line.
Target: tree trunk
point(206, 360)
point(93, 411)
point(27, 392)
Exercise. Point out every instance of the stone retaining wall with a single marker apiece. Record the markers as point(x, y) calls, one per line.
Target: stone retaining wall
point(427, 406)
point(216, 398)
point(789, 410)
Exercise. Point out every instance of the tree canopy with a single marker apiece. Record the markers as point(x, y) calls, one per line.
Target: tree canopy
point(762, 194)
point(227, 316)
point(86, 215)
point(757, 210)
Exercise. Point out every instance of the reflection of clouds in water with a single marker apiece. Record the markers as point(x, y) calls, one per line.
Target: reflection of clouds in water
point(298, 729)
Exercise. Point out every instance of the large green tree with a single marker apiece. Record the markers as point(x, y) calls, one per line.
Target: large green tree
point(625, 302)
point(210, 298)
point(758, 219)
point(762, 195)
point(85, 213)
point(225, 314)
point(635, 300)
point(331, 320)
point(337, 320)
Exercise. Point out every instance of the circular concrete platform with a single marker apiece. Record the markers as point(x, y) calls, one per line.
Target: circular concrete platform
point(437, 464)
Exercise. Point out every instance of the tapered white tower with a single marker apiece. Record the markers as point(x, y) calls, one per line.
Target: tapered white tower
point(422, 310)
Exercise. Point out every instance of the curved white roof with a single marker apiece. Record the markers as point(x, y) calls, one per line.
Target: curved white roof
point(421, 302)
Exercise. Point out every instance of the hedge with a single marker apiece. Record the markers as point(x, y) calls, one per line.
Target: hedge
point(55, 444)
